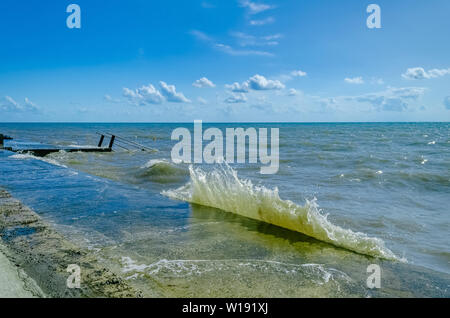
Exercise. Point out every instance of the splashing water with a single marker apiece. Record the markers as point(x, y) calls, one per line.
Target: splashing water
point(222, 189)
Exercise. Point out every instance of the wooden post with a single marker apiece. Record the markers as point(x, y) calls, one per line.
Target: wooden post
point(100, 143)
point(111, 142)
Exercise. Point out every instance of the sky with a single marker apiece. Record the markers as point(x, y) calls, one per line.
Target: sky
point(224, 61)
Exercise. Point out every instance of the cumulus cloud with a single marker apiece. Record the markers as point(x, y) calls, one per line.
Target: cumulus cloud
point(447, 102)
point(354, 80)
point(171, 94)
point(235, 98)
point(203, 82)
point(255, 8)
point(419, 73)
point(256, 83)
point(298, 73)
point(293, 92)
point(8, 104)
point(151, 95)
point(238, 88)
point(144, 95)
point(291, 75)
point(259, 83)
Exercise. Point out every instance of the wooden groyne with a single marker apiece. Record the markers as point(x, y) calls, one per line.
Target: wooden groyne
point(44, 150)
point(2, 139)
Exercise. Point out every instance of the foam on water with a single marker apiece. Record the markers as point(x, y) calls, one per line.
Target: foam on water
point(317, 273)
point(222, 189)
point(29, 156)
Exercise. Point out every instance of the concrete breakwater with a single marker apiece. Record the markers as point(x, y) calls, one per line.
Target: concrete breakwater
point(43, 255)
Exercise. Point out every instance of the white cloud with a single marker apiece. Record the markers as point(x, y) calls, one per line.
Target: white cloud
point(272, 37)
point(419, 73)
point(291, 75)
point(393, 99)
point(244, 39)
point(150, 95)
point(203, 82)
point(8, 104)
point(261, 22)
point(259, 82)
point(199, 35)
point(109, 99)
point(232, 51)
point(144, 95)
point(227, 49)
point(354, 80)
point(255, 8)
point(238, 88)
point(293, 92)
point(29, 104)
point(298, 73)
point(447, 102)
point(235, 98)
point(171, 94)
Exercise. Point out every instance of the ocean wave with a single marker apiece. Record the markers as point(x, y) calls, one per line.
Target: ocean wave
point(222, 189)
point(160, 169)
point(23, 156)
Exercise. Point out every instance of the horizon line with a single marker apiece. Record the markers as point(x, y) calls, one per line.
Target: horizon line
point(227, 122)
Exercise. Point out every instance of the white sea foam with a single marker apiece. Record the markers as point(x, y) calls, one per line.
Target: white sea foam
point(154, 162)
point(317, 273)
point(29, 156)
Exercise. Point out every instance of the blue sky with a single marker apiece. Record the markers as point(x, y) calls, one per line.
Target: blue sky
point(217, 60)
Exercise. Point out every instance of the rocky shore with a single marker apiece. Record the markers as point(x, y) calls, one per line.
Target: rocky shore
point(41, 256)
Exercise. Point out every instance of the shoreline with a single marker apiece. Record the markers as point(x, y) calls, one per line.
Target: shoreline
point(14, 282)
point(34, 254)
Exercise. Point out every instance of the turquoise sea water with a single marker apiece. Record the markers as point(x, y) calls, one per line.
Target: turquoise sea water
point(175, 232)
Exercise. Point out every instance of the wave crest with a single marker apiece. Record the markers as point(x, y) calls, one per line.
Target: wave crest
point(222, 189)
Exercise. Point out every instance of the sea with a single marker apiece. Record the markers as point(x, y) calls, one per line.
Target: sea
point(351, 204)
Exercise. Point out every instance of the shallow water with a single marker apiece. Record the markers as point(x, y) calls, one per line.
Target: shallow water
point(390, 182)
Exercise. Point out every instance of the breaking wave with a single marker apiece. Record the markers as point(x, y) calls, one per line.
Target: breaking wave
point(23, 156)
point(222, 189)
point(162, 171)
